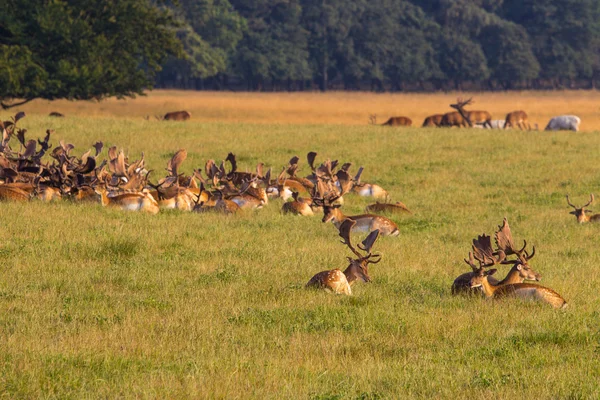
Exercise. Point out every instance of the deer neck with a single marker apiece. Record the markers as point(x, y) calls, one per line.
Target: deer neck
point(583, 218)
point(338, 218)
point(512, 277)
point(488, 288)
point(350, 275)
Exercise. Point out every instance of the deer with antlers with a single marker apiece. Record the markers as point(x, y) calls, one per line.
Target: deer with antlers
point(522, 290)
point(486, 257)
point(580, 212)
point(340, 282)
point(472, 117)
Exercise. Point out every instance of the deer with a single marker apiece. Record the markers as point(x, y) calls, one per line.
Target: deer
point(483, 253)
point(453, 118)
point(392, 208)
point(517, 119)
point(472, 117)
point(340, 282)
point(299, 206)
point(564, 123)
point(130, 201)
point(177, 116)
point(433, 120)
point(580, 212)
point(364, 222)
point(364, 189)
point(56, 114)
point(393, 121)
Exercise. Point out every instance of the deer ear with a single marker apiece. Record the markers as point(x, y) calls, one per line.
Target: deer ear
point(491, 271)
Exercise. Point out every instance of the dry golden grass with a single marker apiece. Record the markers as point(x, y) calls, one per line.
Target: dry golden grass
point(331, 108)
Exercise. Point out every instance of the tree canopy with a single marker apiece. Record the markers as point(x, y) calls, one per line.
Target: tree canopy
point(82, 49)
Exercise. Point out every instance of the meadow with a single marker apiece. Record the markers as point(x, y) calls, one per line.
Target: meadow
point(96, 302)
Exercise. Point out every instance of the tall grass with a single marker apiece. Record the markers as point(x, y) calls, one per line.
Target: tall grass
point(346, 108)
point(100, 303)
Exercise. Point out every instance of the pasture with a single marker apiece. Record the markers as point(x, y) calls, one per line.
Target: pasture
point(97, 302)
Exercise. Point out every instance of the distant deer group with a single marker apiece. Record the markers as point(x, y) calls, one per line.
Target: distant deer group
point(463, 118)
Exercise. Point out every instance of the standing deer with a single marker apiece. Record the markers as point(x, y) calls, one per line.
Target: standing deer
point(340, 282)
point(433, 120)
point(453, 119)
point(393, 121)
point(580, 213)
point(517, 119)
point(473, 117)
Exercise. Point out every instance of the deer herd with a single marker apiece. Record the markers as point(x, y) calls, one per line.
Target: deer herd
point(123, 183)
point(462, 118)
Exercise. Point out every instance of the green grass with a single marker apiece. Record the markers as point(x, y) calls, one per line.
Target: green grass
point(96, 302)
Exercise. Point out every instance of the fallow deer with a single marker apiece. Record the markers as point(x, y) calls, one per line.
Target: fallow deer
point(299, 206)
point(393, 121)
point(392, 208)
point(433, 120)
point(364, 189)
point(12, 192)
point(340, 282)
point(364, 222)
point(483, 253)
point(580, 212)
point(134, 201)
point(517, 119)
point(177, 116)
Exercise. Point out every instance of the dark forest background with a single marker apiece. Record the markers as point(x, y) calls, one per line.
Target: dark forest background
point(390, 45)
point(92, 49)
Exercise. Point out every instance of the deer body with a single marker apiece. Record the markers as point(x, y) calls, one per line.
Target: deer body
point(13, 193)
point(517, 274)
point(480, 117)
point(177, 116)
point(564, 122)
point(453, 119)
point(340, 282)
point(433, 120)
point(364, 222)
point(527, 291)
point(370, 190)
point(134, 201)
point(398, 121)
point(396, 208)
point(517, 119)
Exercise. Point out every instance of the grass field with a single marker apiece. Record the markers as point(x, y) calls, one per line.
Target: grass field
point(98, 303)
point(346, 108)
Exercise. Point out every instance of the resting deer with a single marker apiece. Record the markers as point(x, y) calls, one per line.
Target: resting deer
point(340, 282)
point(299, 206)
point(580, 213)
point(483, 253)
point(364, 222)
point(177, 116)
point(393, 208)
point(517, 119)
point(134, 201)
point(367, 189)
point(531, 291)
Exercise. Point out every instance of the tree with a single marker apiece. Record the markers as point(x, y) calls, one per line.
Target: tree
point(462, 60)
point(81, 49)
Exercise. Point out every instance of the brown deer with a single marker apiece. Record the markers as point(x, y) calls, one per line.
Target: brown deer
point(364, 222)
point(56, 114)
point(392, 208)
point(472, 117)
point(340, 282)
point(433, 120)
point(177, 116)
point(134, 201)
point(580, 213)
point(364, 189)
point(299, 206)
point(483, 253)
point(453, 119)
point(393, 121)
point(517, 119)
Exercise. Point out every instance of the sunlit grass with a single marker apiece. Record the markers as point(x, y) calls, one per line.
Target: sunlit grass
point(100, 303)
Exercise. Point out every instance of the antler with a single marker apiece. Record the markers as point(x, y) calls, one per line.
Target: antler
point(571, 204)
point(589, 202)
point(505, 243)
point(367, 244)
point(311, 159)
point(483, 252)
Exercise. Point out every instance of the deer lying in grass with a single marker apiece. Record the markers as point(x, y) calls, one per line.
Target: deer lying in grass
point(364, 222)
point(488, 259)
point(483, 253)
point(135, 201)
point(176, 116)
point(392, 208)
point(299, 206)
point(433, 120)
point(580, 213)
point(340, 282)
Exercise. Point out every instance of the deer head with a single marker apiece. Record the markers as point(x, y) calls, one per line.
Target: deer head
point(359, 266)
point(579, 212)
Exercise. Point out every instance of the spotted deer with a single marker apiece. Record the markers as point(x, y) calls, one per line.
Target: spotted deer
point(580, 213)
point(340, 282)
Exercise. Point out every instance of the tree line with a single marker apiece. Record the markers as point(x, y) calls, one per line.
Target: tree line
point(386, 45)
point(91, 49)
